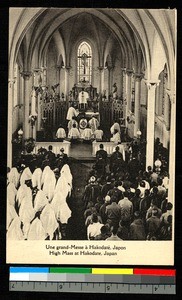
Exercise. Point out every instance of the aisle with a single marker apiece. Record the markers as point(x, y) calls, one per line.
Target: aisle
point(75, 227)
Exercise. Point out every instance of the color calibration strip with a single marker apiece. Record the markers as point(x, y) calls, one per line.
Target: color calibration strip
point(96, 280)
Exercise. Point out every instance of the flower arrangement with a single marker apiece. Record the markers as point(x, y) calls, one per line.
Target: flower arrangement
point(29, 145)
point(131, 118)
point(32, 119)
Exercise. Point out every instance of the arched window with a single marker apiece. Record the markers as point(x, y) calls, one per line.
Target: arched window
point(84, 58)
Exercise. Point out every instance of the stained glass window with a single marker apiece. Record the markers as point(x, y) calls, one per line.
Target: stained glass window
point(84, 63)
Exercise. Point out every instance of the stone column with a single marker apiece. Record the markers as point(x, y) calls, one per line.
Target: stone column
point(44, 76)
point(128, 90)
point(150, 123)
point(172, 145)
point(138, 78)
point(167, 109)
point(109, 79)
point(67, 71)
point(10, 120)
point(37, 78)
point(101, 73)
point(124, 91)
point(27, 97)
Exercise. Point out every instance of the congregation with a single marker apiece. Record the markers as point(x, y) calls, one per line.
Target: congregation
point(121, 201)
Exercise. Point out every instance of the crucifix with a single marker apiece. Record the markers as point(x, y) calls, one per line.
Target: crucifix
point(84, 60)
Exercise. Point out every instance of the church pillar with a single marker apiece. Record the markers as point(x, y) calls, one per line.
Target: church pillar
point(109, 79)
point(150, 123)
point(172, 145)
point(123, 91)
point(128, 90)
point(138, 78)
point(44, 76)
point(10, 120)
point(101, 75)
point(37, 79)
point(27, 97)
point(167, 110)
point(58, 71)
point(67, 71)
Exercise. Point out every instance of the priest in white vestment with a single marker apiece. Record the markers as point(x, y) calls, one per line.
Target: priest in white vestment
point(83, 98)
point(72, 112)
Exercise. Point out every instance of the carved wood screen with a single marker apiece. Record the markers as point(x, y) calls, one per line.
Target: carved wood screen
point(55, 113)
point(110, 111)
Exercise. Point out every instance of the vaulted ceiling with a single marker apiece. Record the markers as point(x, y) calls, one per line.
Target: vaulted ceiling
point(146, 38)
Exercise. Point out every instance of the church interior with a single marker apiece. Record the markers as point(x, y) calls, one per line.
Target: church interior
point(113, 70)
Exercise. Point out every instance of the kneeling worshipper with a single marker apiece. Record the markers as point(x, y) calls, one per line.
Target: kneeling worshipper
point(26, 214)
point(60, 134)
point(94, 229)
point(36, 178)
point(26, 175)
point(36, 231)
point(87, 134)
point(93, 123)
point(49, 184)
point(115, 126)
point(71, 122)
point(116, 137)
point(14, 231)
point(49, 221)
point(74, 134)
point(98, 134)
point(14, 176)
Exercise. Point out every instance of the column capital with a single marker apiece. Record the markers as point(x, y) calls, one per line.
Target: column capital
point(11, 82)
point(138, 76)
point(151, 84)
point(109, 68)
point(26, 74)
point(43, 68)
point(100, 68)
point(37, 70)
point(129, 72)
point(68, 68)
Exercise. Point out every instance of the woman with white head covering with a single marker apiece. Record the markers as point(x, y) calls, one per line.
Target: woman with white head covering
point(36, 231)
point(14, 176)
point(65, 171)
point(61, 211)
point(11, 193)
point(11, 214)
point(36, 178)
point(40, 201)
point(63, 187)
point(45, 171)
point(26, 214)
point(48, 220)
point(14, 231)
point(23, 191)
point(49, 184)
point(26, 175)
